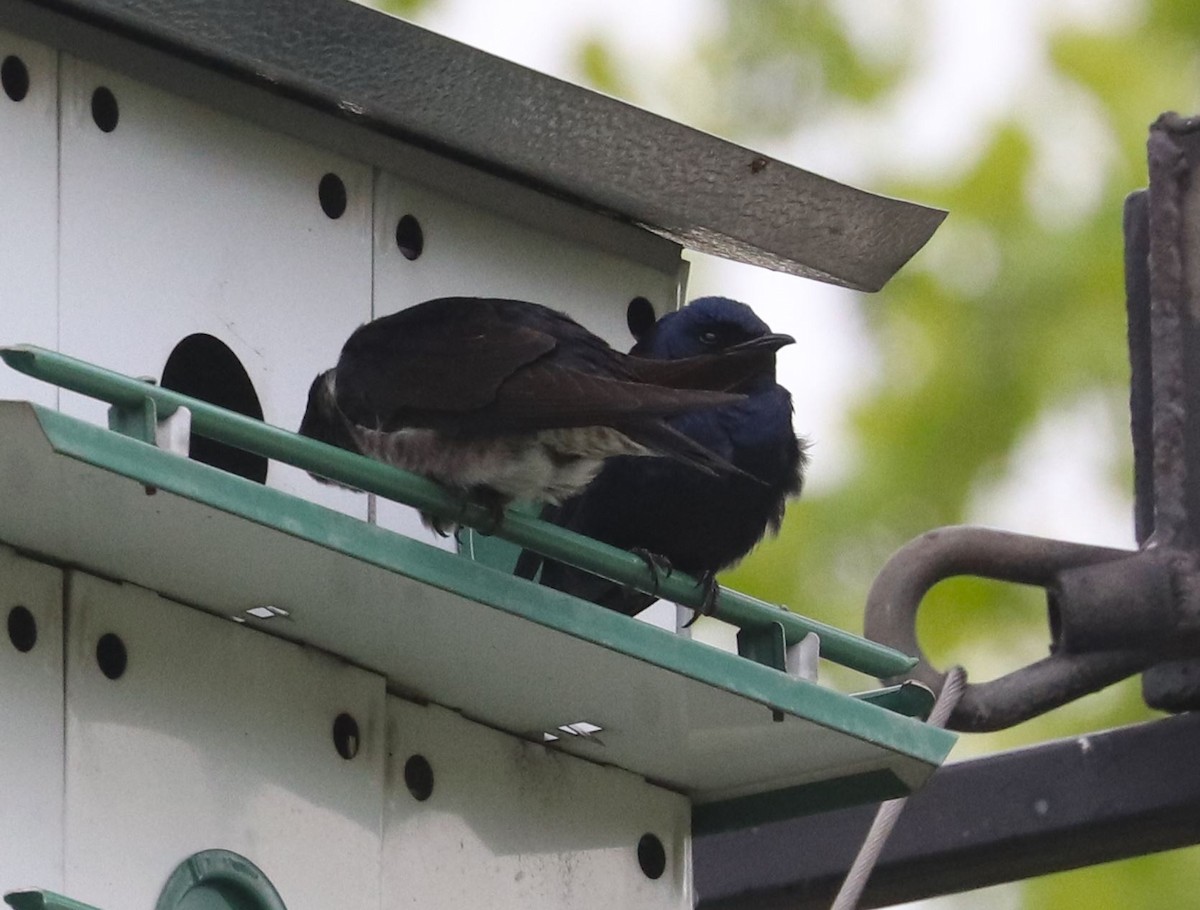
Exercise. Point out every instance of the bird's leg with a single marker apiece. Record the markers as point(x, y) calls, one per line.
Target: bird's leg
point(708, 604)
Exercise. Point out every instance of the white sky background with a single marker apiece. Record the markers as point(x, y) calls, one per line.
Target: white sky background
point(978, 59)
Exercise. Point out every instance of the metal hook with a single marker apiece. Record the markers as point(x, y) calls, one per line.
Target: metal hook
point(1048, 683)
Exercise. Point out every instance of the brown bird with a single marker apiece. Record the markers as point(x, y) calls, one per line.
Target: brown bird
point(507, 400)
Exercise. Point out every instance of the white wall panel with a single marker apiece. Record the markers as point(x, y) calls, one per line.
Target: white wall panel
point(182, 220)
point(31, 717)
point(29, 189)
point(474, 253)
point(215, 736)
point(514, 824)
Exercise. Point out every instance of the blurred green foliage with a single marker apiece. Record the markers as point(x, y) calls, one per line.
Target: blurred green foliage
point(1015, 312)
point(407, 9)
point(1046, 329)
point(1018, 315)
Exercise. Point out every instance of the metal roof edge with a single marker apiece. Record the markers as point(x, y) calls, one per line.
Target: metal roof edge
point(426, 90)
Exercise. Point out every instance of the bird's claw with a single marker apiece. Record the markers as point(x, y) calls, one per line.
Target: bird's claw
point(493, 502)
point(708, 603)
point(442, 527)
point(658, 566)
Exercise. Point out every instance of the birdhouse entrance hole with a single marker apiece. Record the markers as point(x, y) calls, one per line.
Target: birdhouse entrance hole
point(204, 367)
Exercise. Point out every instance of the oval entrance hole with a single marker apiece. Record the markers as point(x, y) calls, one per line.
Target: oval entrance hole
point(204, 367)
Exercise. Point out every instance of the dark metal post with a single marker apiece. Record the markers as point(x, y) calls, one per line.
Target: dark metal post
point(1173, 297)
point(1141, 400)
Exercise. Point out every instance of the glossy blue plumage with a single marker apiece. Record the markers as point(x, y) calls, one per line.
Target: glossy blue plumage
point(700, 523)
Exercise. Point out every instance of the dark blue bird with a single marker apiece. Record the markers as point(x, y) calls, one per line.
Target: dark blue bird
point(696, 522)
point(504, 399)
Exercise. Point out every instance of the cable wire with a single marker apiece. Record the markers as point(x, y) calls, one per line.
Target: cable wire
point(856, 879)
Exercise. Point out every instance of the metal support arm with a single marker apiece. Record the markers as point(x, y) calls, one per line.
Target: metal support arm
point(899, 588)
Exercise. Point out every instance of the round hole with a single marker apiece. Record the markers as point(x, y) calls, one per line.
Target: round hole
point(14, 76)
point(22, 629)
point(204, 367)
point(409, 237)
point(104, 109)
point(111, 656)
point(345, 736)
point(639, 316)
point(418, 777)
point(332, 193)
point(651, 856)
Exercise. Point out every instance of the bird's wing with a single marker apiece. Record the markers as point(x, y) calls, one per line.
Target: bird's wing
point(392, 366)
point(544, 394)
point(474, 366)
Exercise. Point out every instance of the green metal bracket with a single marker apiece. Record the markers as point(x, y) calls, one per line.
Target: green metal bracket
point(137, 422)
point(912, 699)
point(37, 899)
point(765, 645)
point(791, 802)
point(210, 421)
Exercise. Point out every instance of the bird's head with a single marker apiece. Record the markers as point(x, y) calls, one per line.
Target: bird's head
point(708, 325)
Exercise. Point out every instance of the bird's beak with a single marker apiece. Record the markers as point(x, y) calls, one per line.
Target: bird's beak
point(772, 342)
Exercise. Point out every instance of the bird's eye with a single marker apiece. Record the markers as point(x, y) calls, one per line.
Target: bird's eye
point(709, 337)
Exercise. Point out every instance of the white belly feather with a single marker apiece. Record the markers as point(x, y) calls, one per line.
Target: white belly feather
point(546, 466)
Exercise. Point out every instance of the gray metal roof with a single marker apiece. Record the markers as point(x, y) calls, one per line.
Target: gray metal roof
point(410, 84)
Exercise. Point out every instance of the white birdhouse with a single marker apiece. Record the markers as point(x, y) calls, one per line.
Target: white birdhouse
point(212, 196)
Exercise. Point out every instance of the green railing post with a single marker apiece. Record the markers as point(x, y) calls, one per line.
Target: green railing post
point(39, 899)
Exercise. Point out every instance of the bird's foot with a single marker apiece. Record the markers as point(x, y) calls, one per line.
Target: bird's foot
point(442, 527)
point(659, 566)
point(708, 603)
point(495, 504)
point(488, 499)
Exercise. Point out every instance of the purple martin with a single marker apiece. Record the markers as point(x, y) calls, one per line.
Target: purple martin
point(670, 512)
point(506, 400)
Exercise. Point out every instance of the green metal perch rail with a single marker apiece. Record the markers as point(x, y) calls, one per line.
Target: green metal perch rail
point(775, 626)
